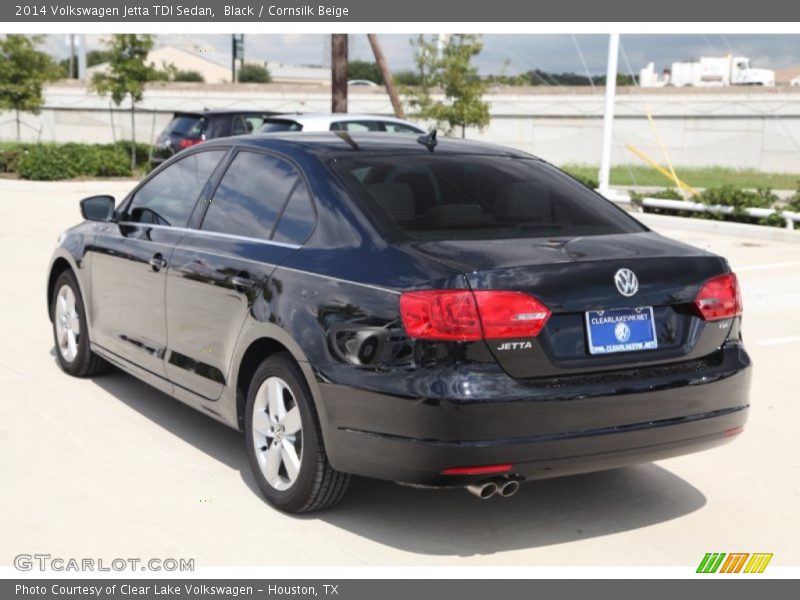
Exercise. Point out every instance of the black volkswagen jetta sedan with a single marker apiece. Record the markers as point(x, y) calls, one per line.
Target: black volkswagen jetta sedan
point(456, 314)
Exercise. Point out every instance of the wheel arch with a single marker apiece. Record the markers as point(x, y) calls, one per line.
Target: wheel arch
point(257, 345)
point(58, 266)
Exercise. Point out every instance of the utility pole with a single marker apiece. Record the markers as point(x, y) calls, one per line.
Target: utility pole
point(386, 73)
point(82, 56)
point(237, 52)
point(339, 72)
point(608, 117)
point(71, 56)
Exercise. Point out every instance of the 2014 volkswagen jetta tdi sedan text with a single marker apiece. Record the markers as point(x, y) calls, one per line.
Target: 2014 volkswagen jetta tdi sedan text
point(456, 314)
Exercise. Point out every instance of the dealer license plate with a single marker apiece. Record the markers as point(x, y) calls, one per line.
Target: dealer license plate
point(621, 330)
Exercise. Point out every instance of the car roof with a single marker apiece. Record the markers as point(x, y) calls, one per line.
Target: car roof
point(222, 111)
point(327, 118)
point(337, 143)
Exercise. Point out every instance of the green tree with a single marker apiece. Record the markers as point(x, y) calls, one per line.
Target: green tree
point(23, 72)
point(97, 57)
point(127, 74)
point(364, 69)
point(451, 72)
point(406, 77)
point(253, 73)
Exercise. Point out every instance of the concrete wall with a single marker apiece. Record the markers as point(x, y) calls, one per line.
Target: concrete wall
point(737, 127)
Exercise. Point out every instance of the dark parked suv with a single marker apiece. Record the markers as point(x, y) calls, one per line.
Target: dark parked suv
point(187, 129)
point(442, 315)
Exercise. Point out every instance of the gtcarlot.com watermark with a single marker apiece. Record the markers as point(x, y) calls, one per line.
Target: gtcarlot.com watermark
point(48, 562)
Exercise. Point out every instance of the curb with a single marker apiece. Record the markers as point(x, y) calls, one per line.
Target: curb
point(87, 187)
point(760, 232)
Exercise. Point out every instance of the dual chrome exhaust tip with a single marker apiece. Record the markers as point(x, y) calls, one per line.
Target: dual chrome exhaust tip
point(499, 486)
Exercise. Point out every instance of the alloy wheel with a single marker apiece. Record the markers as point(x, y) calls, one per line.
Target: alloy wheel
point(277, 433)
point(68, 323)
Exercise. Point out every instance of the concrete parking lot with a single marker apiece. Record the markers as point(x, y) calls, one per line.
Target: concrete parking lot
point(111, 468)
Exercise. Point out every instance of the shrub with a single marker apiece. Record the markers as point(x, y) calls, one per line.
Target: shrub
point(9, 156)
point(45, 162)
point(252, 73)
point(142, 150)
point(189, 75)
point(793, 202)
point(727, 195)
point(590, 182)
point(665, 194)
point(49, 162)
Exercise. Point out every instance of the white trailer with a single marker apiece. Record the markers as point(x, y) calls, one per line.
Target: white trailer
point(709, 71)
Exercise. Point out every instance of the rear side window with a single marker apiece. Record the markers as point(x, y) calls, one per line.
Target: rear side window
point(239, 126)
point(251, 196)
point(169, 197)
point(280, 125)
point(298, 217)
point(218, 126)
point(450, 197)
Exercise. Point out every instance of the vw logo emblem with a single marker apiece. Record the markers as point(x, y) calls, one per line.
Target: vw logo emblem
point(626, 282)
point(622, 332)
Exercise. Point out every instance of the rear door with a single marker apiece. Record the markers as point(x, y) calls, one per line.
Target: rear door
point(259, 213)
point(131, 258)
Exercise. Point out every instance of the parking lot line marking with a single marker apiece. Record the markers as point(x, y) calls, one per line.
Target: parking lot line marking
point(777, 341)
point(768, 266)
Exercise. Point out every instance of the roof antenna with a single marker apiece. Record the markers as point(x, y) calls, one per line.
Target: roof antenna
point(428, 140)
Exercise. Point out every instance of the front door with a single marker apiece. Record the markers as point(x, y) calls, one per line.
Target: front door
point(131, 257)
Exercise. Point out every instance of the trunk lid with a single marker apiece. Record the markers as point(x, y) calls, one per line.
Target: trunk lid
point(575, 275)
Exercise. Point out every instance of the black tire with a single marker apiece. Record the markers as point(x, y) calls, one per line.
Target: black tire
point(85, 363)
point(317, 484)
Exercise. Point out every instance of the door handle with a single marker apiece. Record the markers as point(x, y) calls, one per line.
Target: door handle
point(157, 262)
point(242, 282)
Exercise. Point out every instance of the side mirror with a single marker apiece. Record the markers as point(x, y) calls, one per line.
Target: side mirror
point(98, 208)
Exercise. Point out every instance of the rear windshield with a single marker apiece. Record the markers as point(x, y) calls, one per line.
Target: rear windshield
point(279, 125)
point(184, 125)
point(457, 197)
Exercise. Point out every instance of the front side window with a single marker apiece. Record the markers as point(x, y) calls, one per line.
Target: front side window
point(169, 197)
point(356, 126)
point(251, 196)
point(400, 127)
point(452, 197)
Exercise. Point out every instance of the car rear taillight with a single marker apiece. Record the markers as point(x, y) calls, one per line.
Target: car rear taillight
point(462, 315)
point(719, 298)
point(441, 315)
point(189, 142)
point(510, 314)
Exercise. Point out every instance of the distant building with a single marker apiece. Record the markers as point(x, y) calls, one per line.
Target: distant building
point(282, 73)
point(184, 60)
point(787, 76)
point(215, 72)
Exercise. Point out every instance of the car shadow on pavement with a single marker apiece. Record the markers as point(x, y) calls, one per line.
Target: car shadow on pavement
point(448, 522)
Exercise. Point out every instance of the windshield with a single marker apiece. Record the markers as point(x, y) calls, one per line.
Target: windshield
point(280, 125)
point(457, 197)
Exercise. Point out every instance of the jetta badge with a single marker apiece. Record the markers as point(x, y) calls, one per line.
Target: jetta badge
point(626, 282)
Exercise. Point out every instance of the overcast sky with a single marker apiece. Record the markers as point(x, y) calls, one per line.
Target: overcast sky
point(501, 53)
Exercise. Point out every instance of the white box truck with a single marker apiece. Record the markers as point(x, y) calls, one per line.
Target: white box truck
point(709, 71)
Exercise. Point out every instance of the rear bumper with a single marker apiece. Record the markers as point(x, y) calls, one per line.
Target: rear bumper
point(544, 429)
